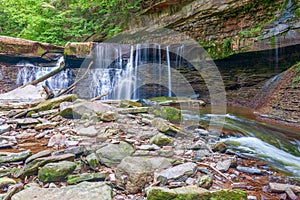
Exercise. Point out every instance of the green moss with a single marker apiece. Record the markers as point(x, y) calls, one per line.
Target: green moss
point(170, 113)
point(30, 113)
point(40, 51)
point(157, 194)
point(228, 194)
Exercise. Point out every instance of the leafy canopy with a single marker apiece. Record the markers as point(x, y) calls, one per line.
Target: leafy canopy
point(60, 21)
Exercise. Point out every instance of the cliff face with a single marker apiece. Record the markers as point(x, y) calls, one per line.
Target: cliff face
point(225, 27)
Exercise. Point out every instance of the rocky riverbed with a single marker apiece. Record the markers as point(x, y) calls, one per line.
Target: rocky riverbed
point(69, 148)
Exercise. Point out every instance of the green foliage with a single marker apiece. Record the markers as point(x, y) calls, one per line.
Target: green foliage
point(60, 21)
point(296, 79)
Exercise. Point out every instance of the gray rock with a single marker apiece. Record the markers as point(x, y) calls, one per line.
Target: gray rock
point(109, 116)
point(148, 147)
point(57, 140)
point(84, 190)
point(189, 192)
point(7, 141)
point(224, 165)
point(77, 151)
point(14, 157)
point(133, 110)
point(24, 121)
point(53, 172)
point(93, 161)
point(205, 181)
point(27, 93)
point(133, 173)
point(38, 155)
point(279, 187)
point(112, 154)
point(89, 131)
point(177, 173)
point(249, 170)
point(74, 179)
point(5, 128)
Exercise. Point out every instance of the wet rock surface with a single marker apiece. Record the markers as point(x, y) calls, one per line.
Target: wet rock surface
point(134, 156)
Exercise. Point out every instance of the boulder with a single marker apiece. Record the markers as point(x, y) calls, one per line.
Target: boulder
point(74, 179)
point(133, 173)
point(189, 192)
point(205, 181)
point(161, 140)
point(178, 173)
point(23, 94)
point(112, 154)
point(52, 172)
point(32, 167)
point(109, 116)
point(170, 113)
point(93, 161)
point(161, 124)
point(89, 131)
point(83, 190)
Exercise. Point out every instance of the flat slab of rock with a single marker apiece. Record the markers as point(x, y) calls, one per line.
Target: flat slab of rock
point(189, 192)
point(133, 110)
point(53, 172)
point(84, 190)
point(38, 155)
point(7, 141)
point(89, 131)
point(112, 154)
point(14, 157)
point(74, 179)
point(24, 94)
point(249, 170)
point(177, 173)
point(279, 187)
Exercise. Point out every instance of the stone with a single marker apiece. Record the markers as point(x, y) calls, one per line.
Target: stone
point(43, 126)
point(148, 147)
point(220, 147)
point(5, 181)
point(38, 155)
point(32, 167)
point(77, 151)
point(205, 181)
point(280, 187)
point(188, 192)
point(161, 140)
point(14, 157)
point(74, 179)
point(161, 124)
point(127, 104)
point(178, 173)
point(7, 141)
point(53, 172)
point(83, 190)
point(89, 131)
point(133, 173)
point(135, 110)
point(249, 170)
point(112, 154)
point(55, 102)
point(24, 121)
point(224, 165)
point(93, 161)
point(83, 108)
point(170, 113)
point(22, 94)
point(57, 140)
point(5, 128)
point(109, 116)
point(229, 194)
point(251, 197)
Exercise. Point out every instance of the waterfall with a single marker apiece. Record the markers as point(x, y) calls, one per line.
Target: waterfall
point(29, 72)
point(121, 70)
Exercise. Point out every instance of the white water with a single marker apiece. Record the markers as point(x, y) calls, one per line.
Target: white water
point(121, 78)
point(29, 72)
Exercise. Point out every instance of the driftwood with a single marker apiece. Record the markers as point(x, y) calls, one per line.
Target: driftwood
point(52, 73)
point(99, 97)
point(71, 87)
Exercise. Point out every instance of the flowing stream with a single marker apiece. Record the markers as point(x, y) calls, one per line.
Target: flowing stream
point(279, 146)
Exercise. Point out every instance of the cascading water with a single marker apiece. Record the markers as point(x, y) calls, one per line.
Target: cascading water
point(29, 72)
point(120, 71)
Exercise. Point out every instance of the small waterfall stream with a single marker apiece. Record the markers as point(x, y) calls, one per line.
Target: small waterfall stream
point(29, 72)
point(121, 73)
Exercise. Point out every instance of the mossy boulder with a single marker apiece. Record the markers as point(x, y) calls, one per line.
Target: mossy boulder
point(53, 172)
point(228, 194)
point(170, 113)
point(161, 140)
point(189, 192)
point(129, 104)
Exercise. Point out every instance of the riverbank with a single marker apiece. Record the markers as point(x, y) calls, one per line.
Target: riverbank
point(127, 150)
